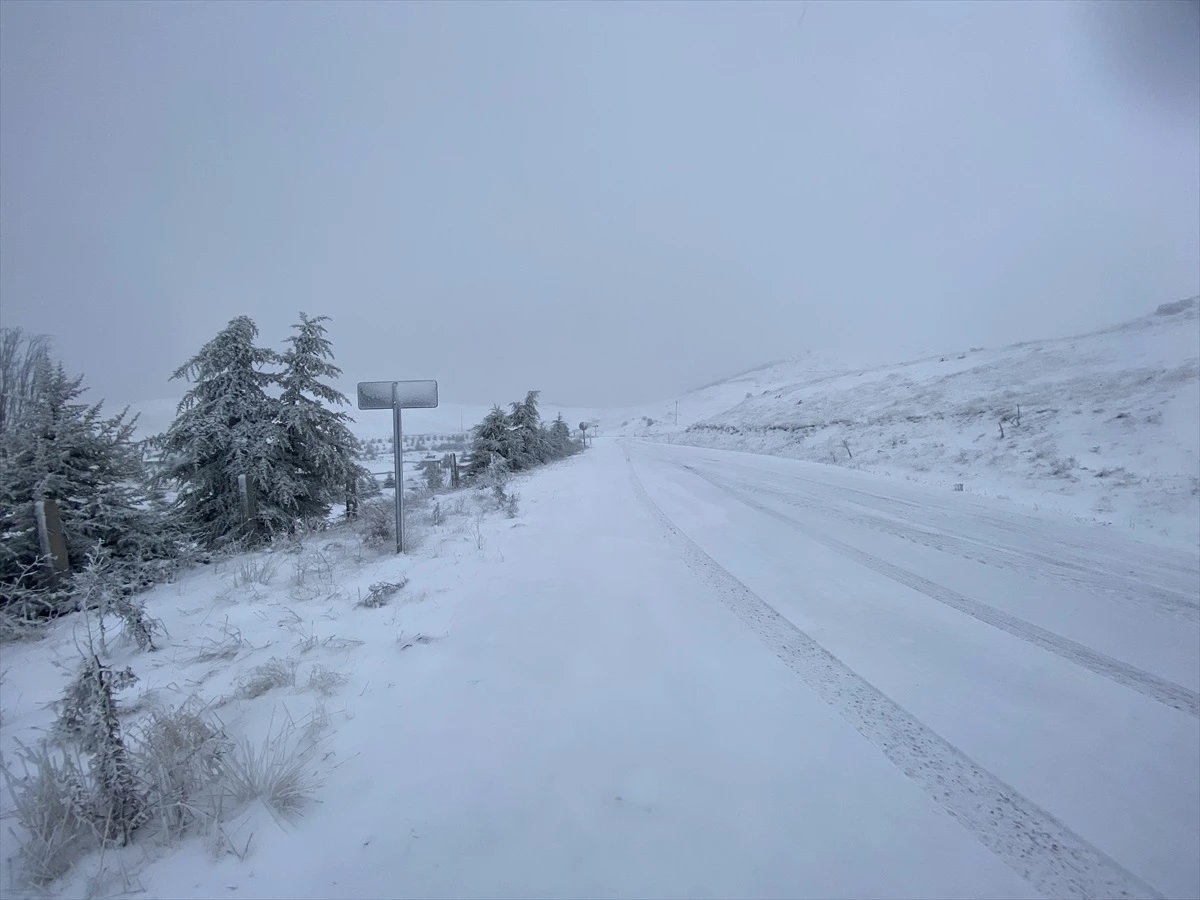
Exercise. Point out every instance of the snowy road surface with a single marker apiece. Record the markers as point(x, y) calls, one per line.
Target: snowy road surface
point(683, 672)
point(1049, 667)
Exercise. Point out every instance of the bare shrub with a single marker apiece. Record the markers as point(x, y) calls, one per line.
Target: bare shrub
point(277, 772)
point(377, 523)
point(274, 673)
point(227, 647)
point(312, 574)
point(1062, 467)
point(30, 597)
point(325, 681)
point(179, 754)
point(251, 572)
point(49, 800)
point(13, 628)
point(109, 587)
point(415, 532)
point(333, 642)
point(139, 626)
point(308, 640)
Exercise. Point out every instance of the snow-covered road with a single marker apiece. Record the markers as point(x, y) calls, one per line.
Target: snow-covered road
point(1036, 678)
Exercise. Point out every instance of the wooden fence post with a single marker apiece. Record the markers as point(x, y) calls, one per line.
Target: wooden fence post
point(51, 539)
point(249, 503)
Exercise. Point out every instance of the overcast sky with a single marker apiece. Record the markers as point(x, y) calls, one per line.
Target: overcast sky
point(610, 202)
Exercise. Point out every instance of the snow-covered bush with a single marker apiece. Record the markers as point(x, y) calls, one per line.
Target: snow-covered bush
point(49, 803)
point(325, 681)
point(274, 673)
point(277, 772)
point(106, 586)
point(115, 802)
point(179, 754)
point(381, 593)
point(377, 522)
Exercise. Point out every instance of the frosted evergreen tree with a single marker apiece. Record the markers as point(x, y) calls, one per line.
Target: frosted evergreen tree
point(320, 448)
point(435, 479)
point(88, 717)
point(22, 358)
point(527, 445)
point(90, 466)
point(558, 439)
point(491, 437)
point(228, 425)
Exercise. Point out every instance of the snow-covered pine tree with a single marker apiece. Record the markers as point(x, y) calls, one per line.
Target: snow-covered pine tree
point(528, 449)
point(228, 425)
point(559, 439)
point(491, 437)
point(22, 358)
point(435, 478)
point(66, 451)
point(320, 447)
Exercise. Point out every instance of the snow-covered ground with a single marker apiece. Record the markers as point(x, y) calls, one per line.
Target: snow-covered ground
point(1108, 427)
point(688, 672)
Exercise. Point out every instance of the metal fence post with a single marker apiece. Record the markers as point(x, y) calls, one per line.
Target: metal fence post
point(398, 437)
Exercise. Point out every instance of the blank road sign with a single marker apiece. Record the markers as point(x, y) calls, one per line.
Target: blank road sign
point(406, 394)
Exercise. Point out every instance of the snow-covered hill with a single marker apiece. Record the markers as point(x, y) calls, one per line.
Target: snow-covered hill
point(672, 415)
point(1105, 426)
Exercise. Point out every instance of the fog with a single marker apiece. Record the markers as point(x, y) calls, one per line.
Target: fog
point(608, 202)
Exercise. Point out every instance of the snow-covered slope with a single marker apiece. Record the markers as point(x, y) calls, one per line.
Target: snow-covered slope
point(660, 418)
point(1105, 426)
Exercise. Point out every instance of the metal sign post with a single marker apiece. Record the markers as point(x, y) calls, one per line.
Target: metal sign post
point(398, 437)
point(398, 395)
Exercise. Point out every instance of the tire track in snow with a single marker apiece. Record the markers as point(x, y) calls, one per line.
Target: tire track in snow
point(1153, 686)
point(1032, 842)
point(1078, 571)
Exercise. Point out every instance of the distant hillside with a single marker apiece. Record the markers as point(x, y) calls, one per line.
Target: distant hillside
point(1104, 426)
point(659, 418)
